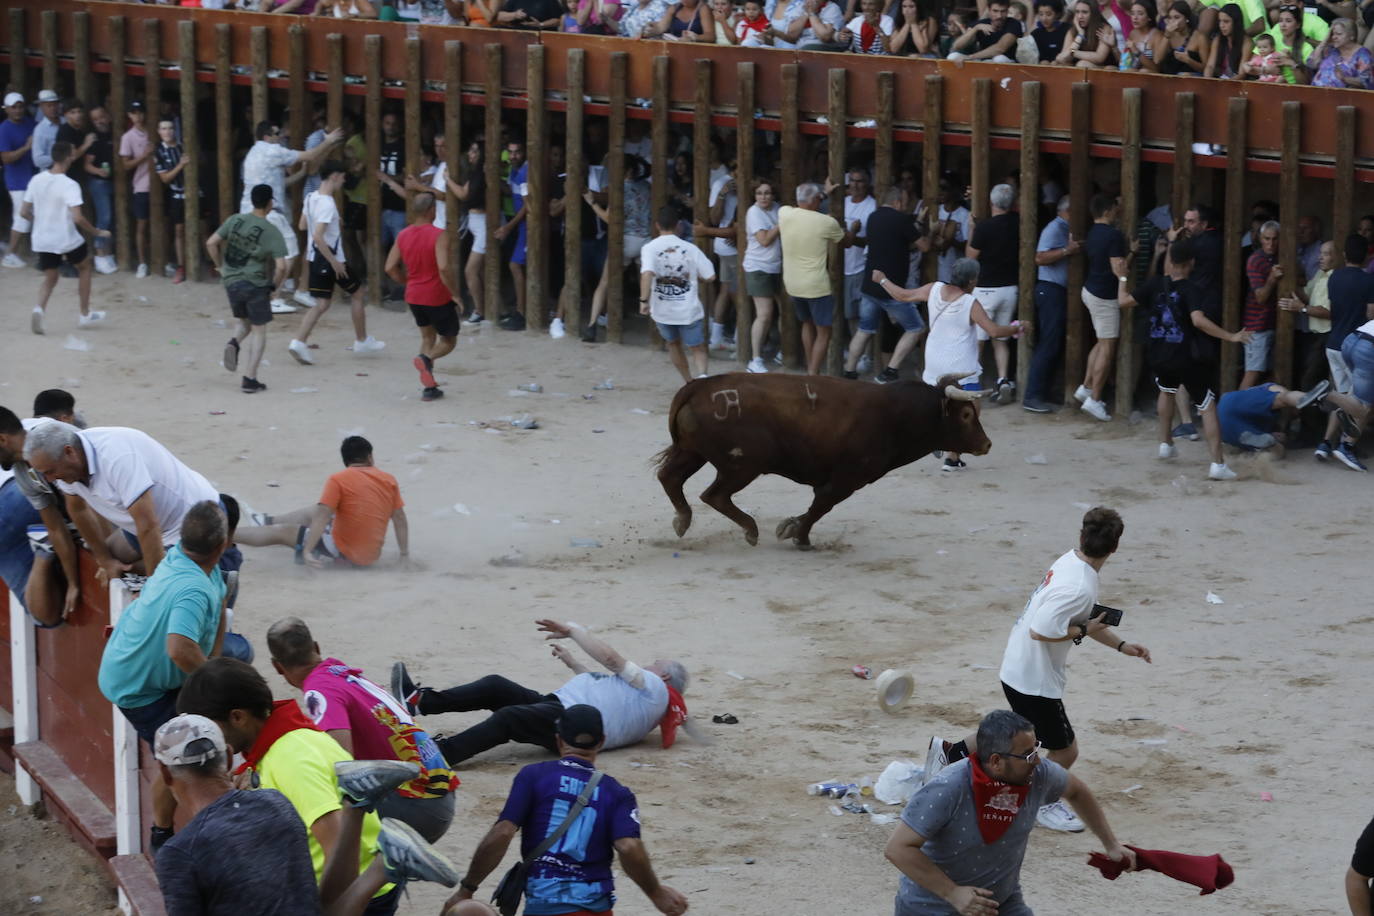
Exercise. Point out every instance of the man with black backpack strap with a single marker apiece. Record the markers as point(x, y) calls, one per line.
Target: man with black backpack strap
point(550, 801)
point(1179, 351)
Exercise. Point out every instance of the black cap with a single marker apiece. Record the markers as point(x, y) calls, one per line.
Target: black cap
point(580, 726)
point(135, 105)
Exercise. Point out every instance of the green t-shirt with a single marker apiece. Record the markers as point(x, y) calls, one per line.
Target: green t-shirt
point(253, 246)
point(1314, 28)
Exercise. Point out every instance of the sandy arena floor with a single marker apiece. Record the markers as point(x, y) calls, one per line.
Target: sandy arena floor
point(924, 571)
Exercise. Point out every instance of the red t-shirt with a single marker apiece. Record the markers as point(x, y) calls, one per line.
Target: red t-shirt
point(363, 499)
point(423, 286)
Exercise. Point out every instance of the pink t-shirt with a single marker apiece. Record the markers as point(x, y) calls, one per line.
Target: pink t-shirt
point(133, 144)
point(339, 697)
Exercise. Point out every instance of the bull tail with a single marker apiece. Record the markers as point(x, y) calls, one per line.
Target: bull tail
point(679, 402)
point(659, 460)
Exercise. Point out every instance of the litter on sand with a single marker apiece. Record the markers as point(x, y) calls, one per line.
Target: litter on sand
point(1214, 598)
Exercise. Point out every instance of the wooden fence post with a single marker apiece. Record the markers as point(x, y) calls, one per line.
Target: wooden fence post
point(1184, 130)
point(537, 220)
point(372, 130)
point(495, 190)
point(152, 106)
point(1080, 188)
point(1232, 270)
point(300, 113)
point(1128, 353)
point(1289, 178)
point(190, 139)
point(48, 34)
point(931, 129)
point(334, 93)
point(662, 168)
point(224, 123)
point(573, 188)
point(701, 171)
point(883, 170)
point(81, 58)
point(1029, 229)
point(1342, 215)
point(835, 168)
point(454, 155)
point(744, 197)
point(615, 178)
point(411, 111)
point(978, 159)
point(119, 102)
point(258, 55)
point(19, 70)
point(789, 330)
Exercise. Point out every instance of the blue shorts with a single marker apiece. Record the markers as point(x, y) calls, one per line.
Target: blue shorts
point(689, 335)
point(903, 313)
point(146, 720)
point(518, 255)
point(16, 556)
point(1247, 417)
point(1358, 352)
point(819, 311)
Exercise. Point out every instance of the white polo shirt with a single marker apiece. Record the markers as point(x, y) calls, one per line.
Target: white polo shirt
point(123, 464)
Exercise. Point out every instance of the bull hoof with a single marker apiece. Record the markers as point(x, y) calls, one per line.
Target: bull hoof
point(804, 545)
point(752, 537)
point(787, 528)
point(681, 523)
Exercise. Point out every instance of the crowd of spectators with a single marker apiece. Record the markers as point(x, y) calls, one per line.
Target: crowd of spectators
point(1327, 44)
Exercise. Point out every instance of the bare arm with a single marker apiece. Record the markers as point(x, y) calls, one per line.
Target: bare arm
point(441, 262)
point(485, 858)
point(1357, 893)
point(635, 860)
point(280, 273)
point(65, 548)
point(344, 736)
point(185, 653)
point(901, 294)
point(323, 248)
point(16, 155)
point(1111, 639)
point(85, 226)
point(212, 248)
point(992, 328)
point(1207, 326)
point(402, 528)
point(394, 268)
point(1004, 45)
point(313, 157)
point(612, 660)
point(1086, 807)
point(94, 536)
point(149, 531)
point(312, 537)
point(904, 851)
point(646, 286)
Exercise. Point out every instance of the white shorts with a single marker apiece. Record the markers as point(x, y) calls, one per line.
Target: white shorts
point(278, 219)
point(477, 225)
point(1105, 315)
point(630, 252)
point(999, 302)
point(19, 224)
point(1341, 379)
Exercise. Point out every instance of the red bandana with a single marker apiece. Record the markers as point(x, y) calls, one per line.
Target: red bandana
point(996, 802)
point(868, 38)
point(674, 716)
point(286, 717)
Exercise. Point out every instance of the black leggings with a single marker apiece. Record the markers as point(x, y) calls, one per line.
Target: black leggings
point(518, 714)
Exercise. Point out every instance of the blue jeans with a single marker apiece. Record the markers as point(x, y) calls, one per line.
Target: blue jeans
point(102, 198)
point(393, 221)
point(1051, 314)
point(16, 556)
point(1358, 351)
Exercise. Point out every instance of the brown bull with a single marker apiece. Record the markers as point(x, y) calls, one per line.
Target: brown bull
point(830, 434)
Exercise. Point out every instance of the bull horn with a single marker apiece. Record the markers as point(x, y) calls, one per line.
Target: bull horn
point(955, 393)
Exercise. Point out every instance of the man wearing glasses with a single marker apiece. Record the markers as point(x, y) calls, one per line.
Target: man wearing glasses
point(963, 835)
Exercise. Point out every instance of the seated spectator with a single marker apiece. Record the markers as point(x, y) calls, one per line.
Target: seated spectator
point(1181, 48)
point(529, 15)
point(915, 30)
point(806, 24)
point(753, 29)
point(1292, 46)
point(1116, 17)
point(347, 527)
point(1250, 417)
point(592, 17)
point(346, 9)
point(1051, 31)
point(689, 20)
point(992, 38)
point(1263, 64)
point(169, 631)
point(368, 723)
point(723, 16)
point(869, 32)
point(1231, 48)
point(1140, 43)
point(1089, 41)
point(639, 17)
point(298, 7)
point(1340, 61)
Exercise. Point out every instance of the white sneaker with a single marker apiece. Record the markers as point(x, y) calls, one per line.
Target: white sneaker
point(1096, 409)
point(13, 260)
point(142, 271)
point(936, 759)
point(865, 365)
point(371, 345)
point(556, 329)
point(1220, 472)
point(169, 270)
point(90, 318)
point(304, 298)
point(301, 352)
point(756, 365)
point(1083, 393)
point(105, 264)
point(1168, 450)
point(36, 321)
point(1057, 816)
point(601, 321)
point(281, 307)
point(777, 357)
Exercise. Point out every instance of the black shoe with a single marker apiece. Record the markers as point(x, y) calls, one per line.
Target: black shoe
point(1318, 392)
point(158, 837)
point(1035, 406)
point(512, 321)
point(231, 355)
point(432, 394)
point(1348, 425)
point(404, 689)
point(887, 375)
point(850, 375)
point(589, 335)
point(251, 386)
point(953, 464)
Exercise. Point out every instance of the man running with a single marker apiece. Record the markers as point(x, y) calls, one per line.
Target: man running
point(250, 254)
point(329, 268)
point(419, 262)
point(52, 202)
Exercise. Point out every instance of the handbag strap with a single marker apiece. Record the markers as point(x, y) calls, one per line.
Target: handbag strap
point(573, 812)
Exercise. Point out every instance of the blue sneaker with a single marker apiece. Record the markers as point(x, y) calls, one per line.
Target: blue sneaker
point(1323, 452)
point(1185, 431)
point(1345, 453)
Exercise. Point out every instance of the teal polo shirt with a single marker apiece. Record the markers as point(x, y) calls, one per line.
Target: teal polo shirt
point(178, 597)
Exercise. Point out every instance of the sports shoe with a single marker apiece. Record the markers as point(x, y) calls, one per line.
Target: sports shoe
point(251, 386)
point(1317, 392)
point(1096, 409)
point(1168, 450)
point(850, 374)
point(407, 857)
point(301, 352)
point(179, 276)
point(953, 464)
point(170, 270)
point(1057, 816)
point(601, 320)
point(1220, 472)
point(281, 307)
point(777, 357)
point(1035, 406)
point(90, 318)
point(364, 783)
point(1082, 393)
point(865, 364)
point(1348, 424)
point(425, 366)
point(1345, 454)
point(13, 260)
point(1006, 390)
point(304, 298)
point(474, 318)
point(887, 376)
point(556, 329)
point(230, 360)
point(756, 365)
point(589, 334)
point(105, 264)
point(511, 321)
point(406, 691)
point(371, 345)
point(260, 518)
point(431, 394)
point(1185, 431)
point(1323, 452)
point(141, 272)
point(36, 321)
point(937, 758)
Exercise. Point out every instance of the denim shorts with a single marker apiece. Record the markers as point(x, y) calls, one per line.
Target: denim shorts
point(1358, 351)
point(853, 295)
point(820, 311)
point(904, 313)
point(146, 720)
point(689, 335)
point(1257, 351)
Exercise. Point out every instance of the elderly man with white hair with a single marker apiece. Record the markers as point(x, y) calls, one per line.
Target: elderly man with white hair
point(995, 245)
point(632, 700)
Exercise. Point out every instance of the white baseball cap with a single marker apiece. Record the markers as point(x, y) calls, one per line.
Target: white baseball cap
point(47, 95)
point(13, 98)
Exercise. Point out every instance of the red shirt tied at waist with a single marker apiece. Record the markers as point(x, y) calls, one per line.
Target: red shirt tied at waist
point(423, 285)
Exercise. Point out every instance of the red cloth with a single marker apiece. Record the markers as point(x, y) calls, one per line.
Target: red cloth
point(286, 717)
point(1207, 872)
point(996, 802)
point(674, 716)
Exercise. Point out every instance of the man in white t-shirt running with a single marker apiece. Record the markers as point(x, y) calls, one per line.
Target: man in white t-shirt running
point(1060, 614)
point(328, 267)
point(52, 203)
point(670, 268)
point(633, 701)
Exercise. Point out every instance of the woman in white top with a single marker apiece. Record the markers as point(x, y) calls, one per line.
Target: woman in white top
point(762, 266)
point(952, 345)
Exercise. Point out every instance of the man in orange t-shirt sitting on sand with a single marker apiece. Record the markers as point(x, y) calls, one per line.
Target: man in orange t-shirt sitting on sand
point(348, 525)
